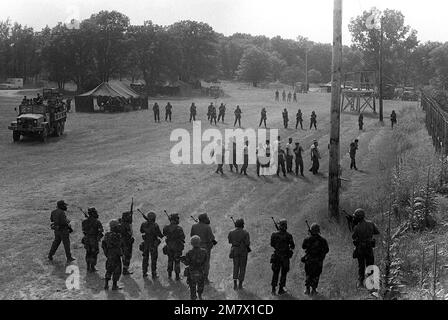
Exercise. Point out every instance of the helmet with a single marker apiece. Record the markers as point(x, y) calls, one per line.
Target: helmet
point(195, 241)
point(113, 224)
point(239, 223)
point(204, 218)
point(283, 224)
point(127, 217)
point(92, 212)
point(174, 218)
point(315, 229)
point(360, 214)
point(151, 216)
point(62, 205)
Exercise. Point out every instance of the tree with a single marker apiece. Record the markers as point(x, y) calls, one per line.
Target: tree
point(292, 75)
point(277, 66)
point(439, 61)
point(254, 66)
point(314, 76)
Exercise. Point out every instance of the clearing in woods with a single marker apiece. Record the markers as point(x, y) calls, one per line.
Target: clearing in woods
point(104, 160)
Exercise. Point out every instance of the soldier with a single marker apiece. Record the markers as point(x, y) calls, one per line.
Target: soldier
point(299, 160)
point(259, 149)
point(112, 250)
point(315, 157)
point(277, 96)
point(213, 115)
point(363, 239)
point(24, 101)
point(222, 112)
point(361, 122)
point(156, 111)
point(263, 117)
point(316, 248)
point(240, 241)
point(220, 152)
point(289, 156)
point(281, 161)
point(196, 260)
point(313, 121)
point(193, 112)
point(127, 240)
point(237, 116)
point(284, 96)
point(295, 96)
point(209, 111)
point(151, 235)
point(204, 231)
point(283, 245)
point(93, 232)
point(175, 242)
point(285, 118)
point(393, 119)
point(353, 149)
point(246, 158)
point(289, 97)
point(299, 119)
point(232, 151)
point(168, 111)
point(62, 229)
point(39, 99)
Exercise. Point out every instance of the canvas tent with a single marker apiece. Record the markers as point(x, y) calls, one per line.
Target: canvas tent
point(88, 102)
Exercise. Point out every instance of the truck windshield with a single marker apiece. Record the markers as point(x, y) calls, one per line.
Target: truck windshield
point(39, 109)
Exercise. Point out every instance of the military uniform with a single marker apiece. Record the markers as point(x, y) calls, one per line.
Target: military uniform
point(263, 118)
point(361, 122)
point(281, 162)
point(353, 149)
point(193, 112)
point(277, 96)
point(93, 232)
point(222, 112)
point(168, 111)
point(127, 240)
point(237, 116)
point(316, 248)
point(240, 241)
point(175, 240)
point(246, 159)
point(213, 115)
point(232, 148)
point(313, 121)
point(299, 119)
point(112, 248)
point(315, 156)
point(209, 111)
point(156, 111)
point(393, 119)
point(298, 159)
point(195, 259)
point(289, 156)
point(283, 245)
point(151, 240)
point(205, 233)
point(62, 229)
point(285, 118)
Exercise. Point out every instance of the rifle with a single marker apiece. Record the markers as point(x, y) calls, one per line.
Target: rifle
point(144, 216)
point(132, 206)
point(233, 220)
point(194, 219)
point(275, 224)
point(309, 229)
point(167, 214)
point(85, 214)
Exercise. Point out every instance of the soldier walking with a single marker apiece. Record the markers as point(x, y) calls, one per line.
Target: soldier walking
point(222, 112)
point(193, 112)
point(113, 251)
point(285, 118)
point(240, 241)
point(205, 233)
point(283, 244)
point(151, 235)
point(316, 248)
point(93, 232)
point(299, 119)
point(127, 240)
point(195, 260)
point(298, 159)
point(289, 156)
point(363, 239)
point(168, 111)
point(313, 121)
point(175, 243)
point(156, 110)
point(238, 116)
point(353, 149)
point(62, 229)
point(361, 122)
point(263, 117)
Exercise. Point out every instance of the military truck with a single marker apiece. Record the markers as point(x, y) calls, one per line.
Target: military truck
point(39, 119)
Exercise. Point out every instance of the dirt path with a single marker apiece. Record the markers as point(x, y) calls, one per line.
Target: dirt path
point(104, 160)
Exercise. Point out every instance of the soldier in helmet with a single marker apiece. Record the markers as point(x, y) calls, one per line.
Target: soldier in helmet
point(222, 112)
point(175, 240)
point(62, 229)
point(316, 248)
point(240, 241)
point(111, 245)
point(127, 240)
point(195, 259)
point(93, 232)
point(238, 113)
point(156, 110)
point(193, 112)
point(168, 111)
point(285, 118)
point(204, 231)
point(151, 240)
point(363, 239)
point(283, 245)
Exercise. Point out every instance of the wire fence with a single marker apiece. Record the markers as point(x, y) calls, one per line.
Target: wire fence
point(436, 123)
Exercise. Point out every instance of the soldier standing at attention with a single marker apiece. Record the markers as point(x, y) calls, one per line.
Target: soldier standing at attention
point(205, 233)
point(62, 229)
point(353, 149)
point(393, 119)
point(168, 111)
point(240, 241)
point(299, 160)
point(193, 112)
point(93, 232)
point(209, 111)
point(196, 260)
point(313, 121)
point(361, 122)
point(283, 245)
point(246, 158)
point(363, 239)
point(222, 112)
point(299, 119)
point(151, 235)
point(316, 248)
point(112, 250)
point(263, 117)
point(175, 243)
point(127, 240)
point(237, 116)
point(285, 118)
point(156, 111)
point(289, 156)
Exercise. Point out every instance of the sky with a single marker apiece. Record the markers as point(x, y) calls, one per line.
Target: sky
point(286, 18)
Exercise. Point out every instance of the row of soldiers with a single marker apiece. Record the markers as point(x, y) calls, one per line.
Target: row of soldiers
point(117, 245)
point(393, 120)
point(286, 98)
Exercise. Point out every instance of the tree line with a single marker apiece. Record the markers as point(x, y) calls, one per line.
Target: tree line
point(107, 46)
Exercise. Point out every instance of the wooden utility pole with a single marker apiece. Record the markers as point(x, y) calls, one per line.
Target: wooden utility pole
point(336, 79)
point(381, 62)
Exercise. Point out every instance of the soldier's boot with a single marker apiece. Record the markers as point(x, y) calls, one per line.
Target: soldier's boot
point(281, 291)
point(307, 291)
point(200, 296)
point(235, 285)
point(106, 284)
point(273, 291)
point(240, 286)
point(177, 277)
point(115, 286)
point(313, 292)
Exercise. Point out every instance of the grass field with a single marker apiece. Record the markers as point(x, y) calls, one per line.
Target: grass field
point(104, 160)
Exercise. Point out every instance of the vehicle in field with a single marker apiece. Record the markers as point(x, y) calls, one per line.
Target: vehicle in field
point(39, 119)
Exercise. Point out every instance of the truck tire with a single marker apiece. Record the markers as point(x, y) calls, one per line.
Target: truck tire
point(16, 136)
point(44, 135)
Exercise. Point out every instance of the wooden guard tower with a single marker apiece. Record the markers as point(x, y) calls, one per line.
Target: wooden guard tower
point(359, 91)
